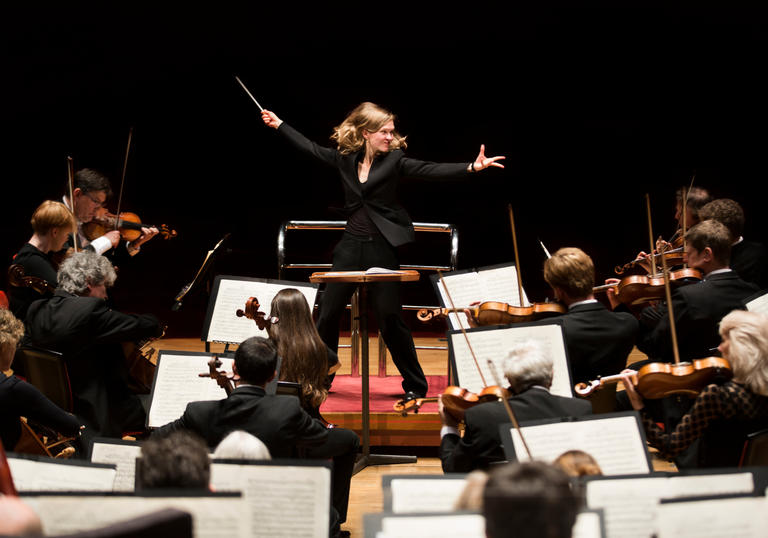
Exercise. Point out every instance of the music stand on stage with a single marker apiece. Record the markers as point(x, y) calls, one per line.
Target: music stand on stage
point(361, 278)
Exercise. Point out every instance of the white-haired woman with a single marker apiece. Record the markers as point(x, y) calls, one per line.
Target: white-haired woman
point(723, 414)
point(370, 160)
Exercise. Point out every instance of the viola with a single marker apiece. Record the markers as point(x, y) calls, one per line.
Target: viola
point(456, 400)
point(18, 278)
point(251, 311)
point(128, 224)
point(661, 379)
point(498, 313)
point(674, 256)
point(636, 290)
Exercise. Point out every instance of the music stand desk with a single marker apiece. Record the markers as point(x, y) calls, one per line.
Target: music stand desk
point(361, 278)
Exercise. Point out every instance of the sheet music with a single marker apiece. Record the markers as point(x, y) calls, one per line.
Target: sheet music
point(630, 504)
point(494, 344)
point(231, 296)
point(587, 525)
point(177, 383)
point(497, 284)
point(464, 525)
point(212, 517)
point(33, 475)
point(614, 442)
point(410, 495)
point(745, 517)
point(124, 457)
point(759, 305)
point(284, 501)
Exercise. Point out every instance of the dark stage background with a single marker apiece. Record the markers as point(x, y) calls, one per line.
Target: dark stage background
point(592, 107)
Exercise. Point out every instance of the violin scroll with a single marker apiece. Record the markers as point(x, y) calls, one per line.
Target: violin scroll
point(251, 311)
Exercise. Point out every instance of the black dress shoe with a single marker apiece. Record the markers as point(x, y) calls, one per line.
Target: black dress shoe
point(410, 395)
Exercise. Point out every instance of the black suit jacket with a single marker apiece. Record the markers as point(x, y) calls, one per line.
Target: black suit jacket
point(278, 420)
point(89, 335)
point(698, 309)
point(749, 259)
point(481, 443)
point(598, 340)
point(379, 193)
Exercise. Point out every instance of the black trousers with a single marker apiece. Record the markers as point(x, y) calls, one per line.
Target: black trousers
point(355, 253)
point(342, 446)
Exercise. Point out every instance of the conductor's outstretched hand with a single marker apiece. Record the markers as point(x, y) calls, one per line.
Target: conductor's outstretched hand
point(271, 120)
point(482, 162)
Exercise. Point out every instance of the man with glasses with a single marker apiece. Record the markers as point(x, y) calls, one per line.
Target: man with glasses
point(90, 193)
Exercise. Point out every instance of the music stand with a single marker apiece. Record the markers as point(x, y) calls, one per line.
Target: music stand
point(361, 278)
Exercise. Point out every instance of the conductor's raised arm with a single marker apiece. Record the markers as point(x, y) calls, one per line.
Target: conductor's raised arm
point(482, 162)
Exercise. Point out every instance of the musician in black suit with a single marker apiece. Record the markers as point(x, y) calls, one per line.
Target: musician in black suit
point(529, 373)
point(598, 340)
point(77, 322)
point(698, 307)
point(370, 160)
point(278, 420)
point(749, 259)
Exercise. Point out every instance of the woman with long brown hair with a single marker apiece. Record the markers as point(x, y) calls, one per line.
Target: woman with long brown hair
point(306, 358)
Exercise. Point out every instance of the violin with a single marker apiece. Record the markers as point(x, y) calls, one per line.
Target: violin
point(456, 400)
point(497, 313)
point(251, 311)
point(18, 278)
point(128, 224)
point(661, 379)
point(674, 256)
point(225, 380)
point(636, 290)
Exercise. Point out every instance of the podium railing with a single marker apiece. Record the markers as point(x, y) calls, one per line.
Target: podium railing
point(331, 225)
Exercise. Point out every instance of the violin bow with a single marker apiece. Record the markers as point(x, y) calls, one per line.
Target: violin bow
point(71, 188)
point(670, 310)
point(122, 179)
point(517, 259)
point(650, 234)
point(545, 249)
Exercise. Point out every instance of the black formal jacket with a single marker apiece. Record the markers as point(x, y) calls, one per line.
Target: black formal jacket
point(749, 259)
point(277, 420)
point(379, 193)
point(35, 263)
point(698, 309)
point(18, 398)
point(598, 340)
point(89, 335)
point(481, 443)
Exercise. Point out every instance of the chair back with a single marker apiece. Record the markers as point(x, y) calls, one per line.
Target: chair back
point(46, 370)
point(755, 449)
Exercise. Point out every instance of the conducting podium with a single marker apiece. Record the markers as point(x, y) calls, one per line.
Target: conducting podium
point(362, 279)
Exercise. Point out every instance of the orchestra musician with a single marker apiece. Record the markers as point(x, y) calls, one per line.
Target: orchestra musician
point(19, 398)
point(77, 322)
point(528, 369)
point(306, 358)
point(721, 415)
point(278, 420)
point(370, 160)
point(749, 259)
point(598, 340)
point(90, 193)
point(51, 223)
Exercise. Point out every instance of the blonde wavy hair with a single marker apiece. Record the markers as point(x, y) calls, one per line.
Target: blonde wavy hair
point(571, 269)
point(747, 333)
point(11, 331)
point(367, 116)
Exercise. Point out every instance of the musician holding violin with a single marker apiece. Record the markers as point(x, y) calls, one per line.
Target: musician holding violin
point(528, 369)
point(722, 415)
point(35, 276)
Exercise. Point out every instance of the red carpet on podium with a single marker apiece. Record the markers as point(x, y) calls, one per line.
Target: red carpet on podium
point(345, 395)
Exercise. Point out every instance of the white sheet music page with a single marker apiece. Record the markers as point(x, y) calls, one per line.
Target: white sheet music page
point(464, 525)
point(759, 305)
point(212, 517)
point(283, 501)
point(177, 383)
point(231, 296)
point(31, 475)
point(124, 457)
point(587, 525)
point(630, 504)
point(415, 494)
point(495, 344)
point(745, 517)
point(614, 442)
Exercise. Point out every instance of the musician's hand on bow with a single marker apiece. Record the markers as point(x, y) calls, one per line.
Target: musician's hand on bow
point(270, 119)
point(629, 379)
point(114, 237)
point(447, 419)
point(471, 319)
point(482, 162)
point(611, 293)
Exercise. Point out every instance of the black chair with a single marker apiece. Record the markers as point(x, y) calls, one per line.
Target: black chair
point(755, 451)
point(46, 370)
point(160, 524)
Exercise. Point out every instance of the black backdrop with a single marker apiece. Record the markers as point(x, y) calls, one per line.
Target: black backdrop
point(593, 108)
